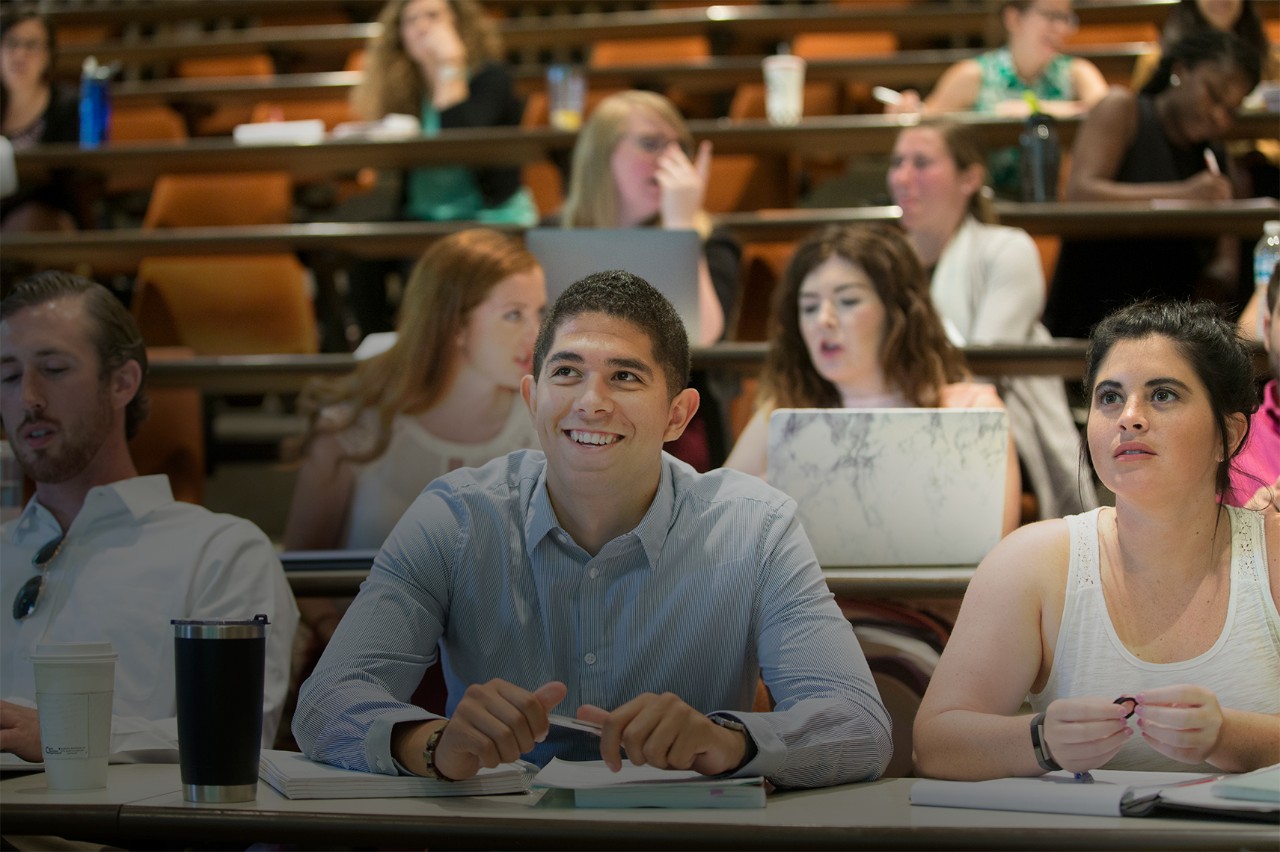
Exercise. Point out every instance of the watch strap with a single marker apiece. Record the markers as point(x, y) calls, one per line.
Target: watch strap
point(429, 754)
point(1040, 745)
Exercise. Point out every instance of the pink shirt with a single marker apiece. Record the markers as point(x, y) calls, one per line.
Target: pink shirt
point(1261, 454)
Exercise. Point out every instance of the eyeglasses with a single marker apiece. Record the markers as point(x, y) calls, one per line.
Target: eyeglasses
point(34, 45)
point(24, 604)
point(1063, 19)
point(655, 143)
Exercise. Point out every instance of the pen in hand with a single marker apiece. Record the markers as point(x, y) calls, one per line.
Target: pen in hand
point(886, 96)
point(559, 721)
point(1211, 162)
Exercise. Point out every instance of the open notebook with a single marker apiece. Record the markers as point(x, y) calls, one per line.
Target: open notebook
point(893, 486)
point(666, 259)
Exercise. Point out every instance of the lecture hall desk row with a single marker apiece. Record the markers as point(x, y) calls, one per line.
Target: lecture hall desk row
point(126, 247)
point(143, 806)
point(905, 69)
point(845, 135)
point(732, 28)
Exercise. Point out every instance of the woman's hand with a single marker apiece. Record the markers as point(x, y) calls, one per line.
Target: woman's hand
point(909, 103)
point(684, 184)
point(1206, 186)
point(1085, 733)
point(1181, 722)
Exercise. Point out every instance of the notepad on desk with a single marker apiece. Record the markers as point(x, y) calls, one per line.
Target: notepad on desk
point(297, 777)
point(1110, 793)
point(594, 785)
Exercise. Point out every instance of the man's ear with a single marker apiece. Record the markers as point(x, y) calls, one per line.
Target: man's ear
point(125, 382)
point(682, 409)
point(527, 388)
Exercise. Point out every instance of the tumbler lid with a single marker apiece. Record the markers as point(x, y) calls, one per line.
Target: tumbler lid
point(220, 628)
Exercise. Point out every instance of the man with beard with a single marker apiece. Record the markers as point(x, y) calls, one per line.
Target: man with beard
point(101, 553)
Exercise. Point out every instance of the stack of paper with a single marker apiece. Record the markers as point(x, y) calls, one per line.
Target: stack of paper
point(1109, 793)
point(296, 777)
point(594, 785)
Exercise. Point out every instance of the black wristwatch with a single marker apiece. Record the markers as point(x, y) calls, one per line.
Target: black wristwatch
point(1040, 745)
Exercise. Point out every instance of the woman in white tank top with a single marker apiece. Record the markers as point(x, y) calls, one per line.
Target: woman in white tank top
point(1145, 636)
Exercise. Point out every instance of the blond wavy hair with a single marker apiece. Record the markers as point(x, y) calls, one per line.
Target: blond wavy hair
point(592, 201)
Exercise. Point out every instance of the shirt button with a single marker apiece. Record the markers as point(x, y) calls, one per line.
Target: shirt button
point(589, 659)
point(593, 573)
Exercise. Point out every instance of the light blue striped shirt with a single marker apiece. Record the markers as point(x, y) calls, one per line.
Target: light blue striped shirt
point(717, 585)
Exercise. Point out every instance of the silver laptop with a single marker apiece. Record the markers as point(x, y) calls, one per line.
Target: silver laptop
point(893, 486)
point(666, 259)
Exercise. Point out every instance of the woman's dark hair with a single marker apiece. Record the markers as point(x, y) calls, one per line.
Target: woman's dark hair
point(1186, 18)
point(51, 36)
point(1209, 343)
point(1204, 46)
point(917, 358)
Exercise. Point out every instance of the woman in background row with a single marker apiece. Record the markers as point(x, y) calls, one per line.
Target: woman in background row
point(33, 111)
point(988, 286)
point(999, 81)
point(1162, 608)
point(439, 61)
point(853, 327)
point(1163, 143)
point(446, 395)
point(1239, 17)
point(634, 166)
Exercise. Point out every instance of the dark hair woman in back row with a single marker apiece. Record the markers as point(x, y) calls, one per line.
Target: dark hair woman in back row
point(1162, 143)
point(33, 111)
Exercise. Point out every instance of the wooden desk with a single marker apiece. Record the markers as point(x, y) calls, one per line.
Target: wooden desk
point(238, 374)
point(908, 68)
point(872, 815)
point(847, 135)
point(732, 29)
point(126, 247)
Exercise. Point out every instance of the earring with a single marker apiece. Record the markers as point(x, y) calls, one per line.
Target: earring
point(1175, 80)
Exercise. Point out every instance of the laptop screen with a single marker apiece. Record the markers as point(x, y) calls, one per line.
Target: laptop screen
point(666, 259)
point(893, 486)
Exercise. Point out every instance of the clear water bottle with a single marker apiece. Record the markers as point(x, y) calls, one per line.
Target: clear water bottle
point(95, 103)
point(1041, 154)
point(1267, 254)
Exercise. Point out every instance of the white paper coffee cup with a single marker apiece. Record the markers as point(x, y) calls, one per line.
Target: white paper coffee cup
point(783, 88)
point(74, 686)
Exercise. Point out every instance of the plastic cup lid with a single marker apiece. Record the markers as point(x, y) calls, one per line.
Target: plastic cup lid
point(57, 650)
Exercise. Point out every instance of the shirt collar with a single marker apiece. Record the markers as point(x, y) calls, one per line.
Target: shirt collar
point(540, 519)
point(137, 496)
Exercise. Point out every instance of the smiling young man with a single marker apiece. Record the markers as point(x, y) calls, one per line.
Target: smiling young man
point(101, 553)
point(604, 579)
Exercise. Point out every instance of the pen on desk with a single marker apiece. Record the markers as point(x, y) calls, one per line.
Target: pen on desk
point(886, 96)
point(573, 724)
point(1212, 162)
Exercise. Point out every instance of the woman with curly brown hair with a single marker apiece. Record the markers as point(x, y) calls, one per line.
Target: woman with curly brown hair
point(439, 61)
point(853, 326)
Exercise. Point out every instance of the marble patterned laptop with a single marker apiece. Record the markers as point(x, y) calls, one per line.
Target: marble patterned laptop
point(893, 486)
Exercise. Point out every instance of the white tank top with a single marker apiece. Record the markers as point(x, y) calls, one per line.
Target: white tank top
point(1242, 668)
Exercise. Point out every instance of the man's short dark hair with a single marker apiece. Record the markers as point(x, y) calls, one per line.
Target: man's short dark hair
point(114, 332)
point(629, 297)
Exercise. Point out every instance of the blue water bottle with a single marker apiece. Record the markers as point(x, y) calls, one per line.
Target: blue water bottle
point(95, 103)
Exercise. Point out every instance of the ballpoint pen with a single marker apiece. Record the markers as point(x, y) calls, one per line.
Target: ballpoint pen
point(573, 724)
